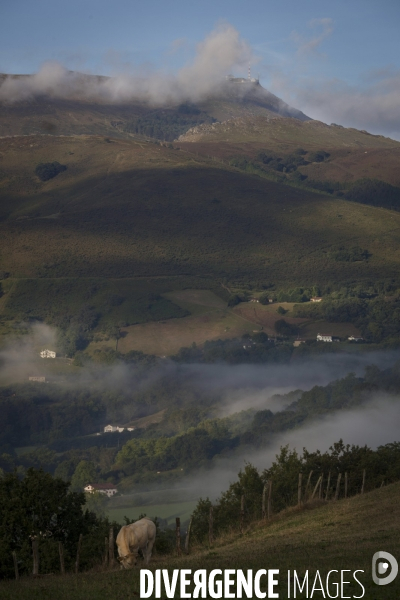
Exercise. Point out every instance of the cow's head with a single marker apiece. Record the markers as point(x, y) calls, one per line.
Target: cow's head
point(128, 561)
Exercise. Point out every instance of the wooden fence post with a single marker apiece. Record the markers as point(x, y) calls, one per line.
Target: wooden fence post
point(14, 555)
point(78, 553)
point(111, 547)
point(187, 539)
point(363, 481)
point(105, 562)
point(320, 487)
point(299, 489)
point(269, 505)
point(35, 551)
point(338, 486)
point(307, 486)
point(316, 487)
point(346, 481)
point(61, 553)
point(263, 511)
point(327, 486)
point(178, 536)
point(210, 527)
point(241, 513)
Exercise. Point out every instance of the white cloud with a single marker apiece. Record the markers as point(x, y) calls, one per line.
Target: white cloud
point(220, 52)
point(373, 105)
point(310, 45)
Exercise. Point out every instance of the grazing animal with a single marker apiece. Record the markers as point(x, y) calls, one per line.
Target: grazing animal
point(132, 538)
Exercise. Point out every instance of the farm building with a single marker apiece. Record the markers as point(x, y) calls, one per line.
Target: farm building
point(113, 428)
point(108, 489)
point(47, 354)
point(326, 338)
point(316, 299)
point(40, 378)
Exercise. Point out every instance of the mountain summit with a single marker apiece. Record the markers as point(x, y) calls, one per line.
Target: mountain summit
point(81, 106)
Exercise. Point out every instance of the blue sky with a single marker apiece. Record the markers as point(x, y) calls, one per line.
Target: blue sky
point(338, 61)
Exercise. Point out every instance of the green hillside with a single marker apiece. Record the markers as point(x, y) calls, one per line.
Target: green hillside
point(126, 209)
point(124, 222)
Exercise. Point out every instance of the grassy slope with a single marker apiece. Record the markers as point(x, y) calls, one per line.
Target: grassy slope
point(342, 535)
point(124, 209)
point(134, 219)
point(354, 154)
point(208, 323)
point(66, 117)
point(285, 132)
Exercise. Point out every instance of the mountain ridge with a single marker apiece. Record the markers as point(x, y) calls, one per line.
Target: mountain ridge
point(78, 112)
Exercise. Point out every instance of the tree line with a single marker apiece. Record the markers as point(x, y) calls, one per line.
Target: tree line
point(360, 469)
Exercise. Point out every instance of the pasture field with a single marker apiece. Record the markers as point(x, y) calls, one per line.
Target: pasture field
point(210, 319)
point(115, 300)
point(165, 338)
point(149, 420)
point(55, 370)
point(338, 535)
point(265, 315)
point(196, 301)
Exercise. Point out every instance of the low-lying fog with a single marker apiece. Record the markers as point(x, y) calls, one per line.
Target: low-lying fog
point(374, 424)
point(241, 387)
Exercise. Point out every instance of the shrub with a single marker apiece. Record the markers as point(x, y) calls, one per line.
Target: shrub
point(284, 328)
point(375, 193)
point(46, 171)
point(318, 156)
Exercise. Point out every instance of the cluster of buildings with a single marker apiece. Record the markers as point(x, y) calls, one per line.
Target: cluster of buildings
point(107, 489)
point(332, 338)
point(113, 428)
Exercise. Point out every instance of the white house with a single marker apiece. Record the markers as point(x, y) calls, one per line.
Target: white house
point(316, 299)
point(112, 428)
point(40, 378)
point(327, 338)
point(108, 489)
point(324, 338)
point(47, 354)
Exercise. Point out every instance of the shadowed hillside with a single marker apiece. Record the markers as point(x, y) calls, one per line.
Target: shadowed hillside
point(125, 209)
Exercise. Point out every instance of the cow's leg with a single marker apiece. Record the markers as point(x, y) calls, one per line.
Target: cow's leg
point(148, 551)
